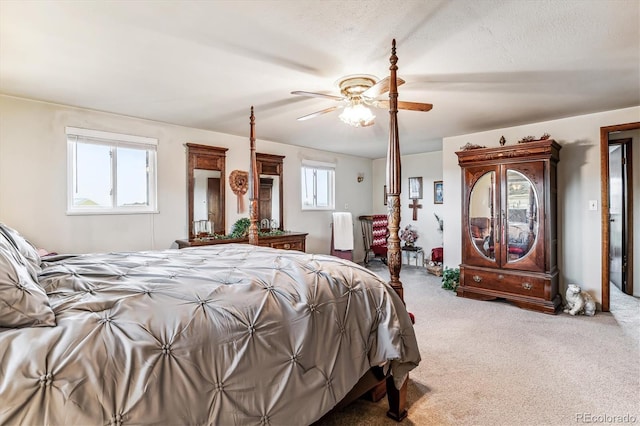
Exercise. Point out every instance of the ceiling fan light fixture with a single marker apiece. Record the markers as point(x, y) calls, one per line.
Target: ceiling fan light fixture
point(358, 92)
point(356, 84)
point(357, 115)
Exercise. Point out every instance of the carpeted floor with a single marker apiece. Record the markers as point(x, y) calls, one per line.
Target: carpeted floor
point(491, 363)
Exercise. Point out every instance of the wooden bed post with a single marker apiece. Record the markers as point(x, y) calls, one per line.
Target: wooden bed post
point(397, 397)
point(393, 180)
point(253, 184)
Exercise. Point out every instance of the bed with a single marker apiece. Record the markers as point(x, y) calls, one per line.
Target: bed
point(223, 334)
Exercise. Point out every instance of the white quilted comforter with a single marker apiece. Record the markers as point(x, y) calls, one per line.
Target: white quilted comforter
point(225, 335)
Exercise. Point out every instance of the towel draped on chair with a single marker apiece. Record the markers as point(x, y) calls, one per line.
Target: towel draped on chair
point(342, 231)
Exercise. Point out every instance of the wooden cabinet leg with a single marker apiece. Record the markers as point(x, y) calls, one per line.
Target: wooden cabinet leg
point(397, 400)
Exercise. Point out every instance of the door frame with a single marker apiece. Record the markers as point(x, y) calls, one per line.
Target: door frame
point(604, 201)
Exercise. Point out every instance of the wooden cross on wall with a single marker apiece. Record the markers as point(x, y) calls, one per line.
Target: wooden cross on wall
point(415, 206)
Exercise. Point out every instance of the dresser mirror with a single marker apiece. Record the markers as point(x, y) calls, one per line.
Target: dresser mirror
point(206, 186)
point(270, 200)
point(482, 215)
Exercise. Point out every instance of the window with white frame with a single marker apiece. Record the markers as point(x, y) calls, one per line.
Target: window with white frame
point(318, 185)
point(110, 172)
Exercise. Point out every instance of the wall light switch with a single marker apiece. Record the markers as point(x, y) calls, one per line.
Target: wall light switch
point(593, 204)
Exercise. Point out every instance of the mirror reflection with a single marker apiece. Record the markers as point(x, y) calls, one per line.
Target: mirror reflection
point(205, 177)
point(522, 220)
point(270, 202)
point(206, 200)
point(481, 215)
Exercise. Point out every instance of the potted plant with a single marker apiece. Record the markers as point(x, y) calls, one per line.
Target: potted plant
point(240, 228)
point(451, 278)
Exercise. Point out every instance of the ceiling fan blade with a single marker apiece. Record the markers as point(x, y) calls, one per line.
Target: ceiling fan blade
point(414, 106)
point(318, 95)
point(317, 113)
point(411, 106)
point(379, 88)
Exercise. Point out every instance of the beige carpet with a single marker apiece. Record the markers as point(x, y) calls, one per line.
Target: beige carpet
point(491, 363)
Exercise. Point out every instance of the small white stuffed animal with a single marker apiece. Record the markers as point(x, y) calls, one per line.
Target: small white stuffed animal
point(579, 302)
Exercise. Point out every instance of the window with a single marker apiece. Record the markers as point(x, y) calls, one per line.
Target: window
point(318, 185)
point(110, 172)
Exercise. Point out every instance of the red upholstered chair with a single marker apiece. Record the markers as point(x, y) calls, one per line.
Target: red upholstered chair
point(375, 234)
point(380, 233)
point(437, 255)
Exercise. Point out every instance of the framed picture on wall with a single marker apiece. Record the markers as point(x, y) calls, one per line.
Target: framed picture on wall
point(437, 192)
point(384, 196)
point(415, 188)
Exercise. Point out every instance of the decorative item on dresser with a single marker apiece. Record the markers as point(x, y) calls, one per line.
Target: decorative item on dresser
point(509, 224)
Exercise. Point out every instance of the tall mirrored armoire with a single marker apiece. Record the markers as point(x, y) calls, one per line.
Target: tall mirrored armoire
point(509, 224)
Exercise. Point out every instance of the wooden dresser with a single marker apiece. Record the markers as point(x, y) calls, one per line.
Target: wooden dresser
point(509, 224)
point(286, 241)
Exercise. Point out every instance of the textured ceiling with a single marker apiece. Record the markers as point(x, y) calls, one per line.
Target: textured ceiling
point(483, 64)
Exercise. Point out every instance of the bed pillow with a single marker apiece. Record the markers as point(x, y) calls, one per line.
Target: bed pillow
point(23, 302)
point(26, 249)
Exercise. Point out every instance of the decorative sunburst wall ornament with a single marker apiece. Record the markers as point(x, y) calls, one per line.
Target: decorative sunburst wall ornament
point(239, 182)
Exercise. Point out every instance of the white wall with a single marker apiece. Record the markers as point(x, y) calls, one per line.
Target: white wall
point(33, 182)
point(578, 180)
point(429, 167)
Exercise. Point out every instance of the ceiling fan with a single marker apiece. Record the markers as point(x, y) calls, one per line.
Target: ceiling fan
point(358, 92)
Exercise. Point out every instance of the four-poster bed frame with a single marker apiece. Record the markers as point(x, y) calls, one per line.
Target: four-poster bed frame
point(374, 381)
point(217, 334)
